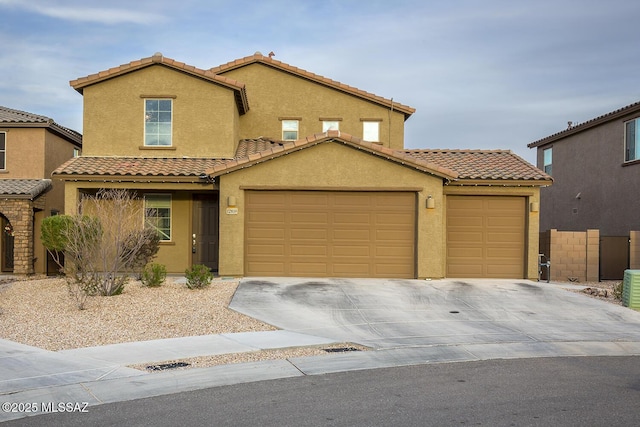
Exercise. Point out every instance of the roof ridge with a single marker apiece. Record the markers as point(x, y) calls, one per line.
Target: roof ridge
point(26, 113)
point(574, 128)
point(268, 60)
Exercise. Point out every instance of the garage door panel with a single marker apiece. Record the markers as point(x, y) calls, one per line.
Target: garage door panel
point(350, 218)
point(339, 234)
point(485, 236)
point(265, 233)
point(266, 249)
point(465, 237)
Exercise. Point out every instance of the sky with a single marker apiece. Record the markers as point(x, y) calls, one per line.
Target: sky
point(491, 74)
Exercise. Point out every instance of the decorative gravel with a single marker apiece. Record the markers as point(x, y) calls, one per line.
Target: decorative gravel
point(41, 313)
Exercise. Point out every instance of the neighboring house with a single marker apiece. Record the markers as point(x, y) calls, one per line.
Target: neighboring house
point(595, 167)
point(31, 147)
point(258, 168)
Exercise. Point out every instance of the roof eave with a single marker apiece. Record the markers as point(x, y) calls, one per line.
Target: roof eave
point(502, 182)
point(267, 61)
point(633, 108)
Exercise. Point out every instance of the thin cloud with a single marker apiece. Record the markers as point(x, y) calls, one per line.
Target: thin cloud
point(109, 16)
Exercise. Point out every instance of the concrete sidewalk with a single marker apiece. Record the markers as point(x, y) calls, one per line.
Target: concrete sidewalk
point(405, 322)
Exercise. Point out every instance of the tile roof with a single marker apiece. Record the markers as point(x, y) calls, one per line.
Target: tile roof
point(482, 164)
point(253, 151)
point(573, 129)
point(183, 167)
point(23, 188)
point(11, 117)
point(269, 61)
point(158, 59)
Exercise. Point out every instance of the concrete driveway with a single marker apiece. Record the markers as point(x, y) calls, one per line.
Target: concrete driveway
point(444, 319)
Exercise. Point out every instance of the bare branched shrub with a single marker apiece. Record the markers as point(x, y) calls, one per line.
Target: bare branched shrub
point(105, 244)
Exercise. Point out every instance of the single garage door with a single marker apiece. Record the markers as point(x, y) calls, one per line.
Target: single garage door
point(486, 236)
point(330, 234)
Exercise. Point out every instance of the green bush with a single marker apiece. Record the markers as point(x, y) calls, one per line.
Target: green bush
point(618, 289)
point(154, 275)
point(198, 276)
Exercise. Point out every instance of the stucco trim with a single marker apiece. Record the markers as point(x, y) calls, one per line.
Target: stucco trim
point(350, 189)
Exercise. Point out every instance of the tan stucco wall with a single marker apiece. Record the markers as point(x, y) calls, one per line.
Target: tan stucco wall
point(333, 166)
point(532, 194)
point(273, 93)
point(205, 115)
point(25, 153)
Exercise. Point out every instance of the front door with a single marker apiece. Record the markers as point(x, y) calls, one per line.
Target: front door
point(7, 246)
point(205, 230)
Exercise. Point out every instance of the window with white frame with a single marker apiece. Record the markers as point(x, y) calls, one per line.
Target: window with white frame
point(547, 160)
point(328, 125)
point(290, 130)
point(76, 152)
point(157, 214)
point(632, 140)
point(3, 150)
point(371, 131)
point(157, 122)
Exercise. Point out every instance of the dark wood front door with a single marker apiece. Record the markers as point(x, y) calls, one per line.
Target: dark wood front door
point(7, 246)
point(205, 230)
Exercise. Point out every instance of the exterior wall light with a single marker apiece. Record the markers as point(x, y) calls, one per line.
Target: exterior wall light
point(231, 201)
point(534, 207)
point(431, 202)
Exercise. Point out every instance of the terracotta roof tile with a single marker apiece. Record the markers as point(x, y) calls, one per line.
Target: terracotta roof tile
point(266, 60)
point(482, 164)
point(9, 116)
point(137, 166)
point(260, 149)
point(80, 83)
point(23, 188)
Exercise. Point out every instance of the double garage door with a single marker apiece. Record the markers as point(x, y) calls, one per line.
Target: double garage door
point(330, 234)
point(486, 236)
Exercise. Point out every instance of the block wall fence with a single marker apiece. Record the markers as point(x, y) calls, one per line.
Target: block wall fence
point(575, 255)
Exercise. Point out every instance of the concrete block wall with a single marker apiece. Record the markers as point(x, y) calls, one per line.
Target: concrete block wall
point(574, 255)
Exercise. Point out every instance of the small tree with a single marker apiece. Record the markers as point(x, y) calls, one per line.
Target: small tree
point(53, 233)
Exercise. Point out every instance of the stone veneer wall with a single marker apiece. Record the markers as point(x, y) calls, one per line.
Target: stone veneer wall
point(574, 255)
point(19, 212)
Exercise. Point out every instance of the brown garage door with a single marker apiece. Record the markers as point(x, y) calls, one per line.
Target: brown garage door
point(330, 234)
point(485, 236)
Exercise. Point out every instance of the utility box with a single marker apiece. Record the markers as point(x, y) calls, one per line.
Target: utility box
point(631, 289)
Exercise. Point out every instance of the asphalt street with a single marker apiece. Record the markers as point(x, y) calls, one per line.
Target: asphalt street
point(575, 391)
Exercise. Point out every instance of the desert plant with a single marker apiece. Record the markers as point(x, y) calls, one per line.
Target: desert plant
point(53, 233)
point(198, 276)
point(154, 275)
point(618, 290)
point(102, 246)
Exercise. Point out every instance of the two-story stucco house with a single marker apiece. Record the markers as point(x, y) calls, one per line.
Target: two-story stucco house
point(595, 166)
point(259, 168)
point(31, 147)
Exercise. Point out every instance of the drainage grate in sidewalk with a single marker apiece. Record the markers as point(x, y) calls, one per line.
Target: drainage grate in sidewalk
point(165, 366)
point(341, 349)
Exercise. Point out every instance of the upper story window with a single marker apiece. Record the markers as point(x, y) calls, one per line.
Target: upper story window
point(371, 131)
point(328, 125)
point(157, 214)
point(632, 140)
point(290, 130)
point(3, 150)
point(547, 160)
point(76, 152)
point(157, 122)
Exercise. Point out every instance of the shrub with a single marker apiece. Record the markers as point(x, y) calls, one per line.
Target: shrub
point(618, 290)
point(154, 275)
point(198, 276)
